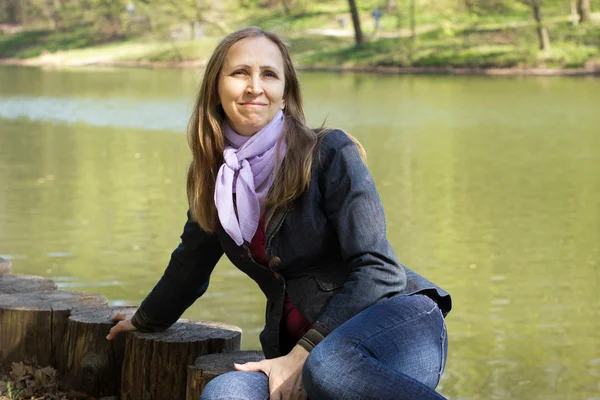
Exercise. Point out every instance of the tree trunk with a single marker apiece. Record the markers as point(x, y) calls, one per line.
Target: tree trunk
point(10, 284)
point(33, 325)
point(574, 12)
point(469, 6)
point(208, 367)
point(391, 5)
point(584, 10)
point(164, 357)
point(413, 26)
point(286, 6)
point(93, 364)
point(13, 11)
point(542, 31)
point(358, 36)
point(50, 14)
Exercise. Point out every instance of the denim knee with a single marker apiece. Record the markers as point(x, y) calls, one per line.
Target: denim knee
point(325, 369)
point(237, 386)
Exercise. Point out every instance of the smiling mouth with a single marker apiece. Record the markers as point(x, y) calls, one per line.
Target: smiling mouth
point(253, 104)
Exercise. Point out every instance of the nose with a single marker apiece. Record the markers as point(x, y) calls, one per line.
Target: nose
point(254, 85)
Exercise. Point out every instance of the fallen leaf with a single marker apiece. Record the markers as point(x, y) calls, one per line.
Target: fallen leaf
point(18, 371)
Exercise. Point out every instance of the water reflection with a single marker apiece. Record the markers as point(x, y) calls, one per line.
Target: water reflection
point(157, 115)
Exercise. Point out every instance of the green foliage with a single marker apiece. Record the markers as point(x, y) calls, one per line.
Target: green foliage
point(27, 44)
point(467, 47)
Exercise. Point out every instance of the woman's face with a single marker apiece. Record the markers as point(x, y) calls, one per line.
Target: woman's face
point(251, 84)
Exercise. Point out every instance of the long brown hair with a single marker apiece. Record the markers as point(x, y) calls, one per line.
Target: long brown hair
point(205, 136)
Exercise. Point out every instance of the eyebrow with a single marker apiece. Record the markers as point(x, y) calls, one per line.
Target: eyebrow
point(249, 67)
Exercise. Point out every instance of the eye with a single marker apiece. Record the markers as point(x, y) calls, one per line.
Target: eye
point(239, 72)
point(270, 74)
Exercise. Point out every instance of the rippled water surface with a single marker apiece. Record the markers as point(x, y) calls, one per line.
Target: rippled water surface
point(491, 189)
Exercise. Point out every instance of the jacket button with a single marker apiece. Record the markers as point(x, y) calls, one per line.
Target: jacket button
point(275, 261)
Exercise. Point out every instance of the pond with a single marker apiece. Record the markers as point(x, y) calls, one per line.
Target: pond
point(491, 188)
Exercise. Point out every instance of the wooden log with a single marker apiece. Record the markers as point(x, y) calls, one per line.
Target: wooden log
point(5, 266)
point(208, 367)
point(33, 325)
point(93, 364)
point(10, 284)
point(155, 365)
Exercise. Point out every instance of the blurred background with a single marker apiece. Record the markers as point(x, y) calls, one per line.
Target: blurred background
point(491, 185)
point(419, 33)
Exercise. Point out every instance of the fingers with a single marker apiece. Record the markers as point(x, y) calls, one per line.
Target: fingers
point(119, 317)
point(122, 326)
point(260, 366)
point(114, 331)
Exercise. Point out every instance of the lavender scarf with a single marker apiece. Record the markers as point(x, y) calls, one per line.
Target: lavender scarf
point(248, 171)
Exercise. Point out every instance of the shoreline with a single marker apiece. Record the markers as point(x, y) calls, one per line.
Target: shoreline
point(382, 70)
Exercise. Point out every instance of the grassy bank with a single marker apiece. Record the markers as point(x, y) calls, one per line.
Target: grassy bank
point(317, 41)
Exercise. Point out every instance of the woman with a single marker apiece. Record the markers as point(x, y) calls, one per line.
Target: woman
point(298, 212)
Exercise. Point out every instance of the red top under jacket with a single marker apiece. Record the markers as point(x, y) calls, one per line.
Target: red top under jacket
point(295, 324)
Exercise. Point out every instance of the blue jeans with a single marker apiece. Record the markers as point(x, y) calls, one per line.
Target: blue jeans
point(395, 349)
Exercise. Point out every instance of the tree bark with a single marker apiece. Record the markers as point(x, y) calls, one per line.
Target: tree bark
point(33, 325)
point(25, 284)
point(358, 36)
point(584, 9)
point(208, 367)
point(391, 5)
point(162, 358)
point(93, 364)
point(542, 31)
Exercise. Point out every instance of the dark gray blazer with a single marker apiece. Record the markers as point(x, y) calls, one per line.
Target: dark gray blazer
point(328, 251)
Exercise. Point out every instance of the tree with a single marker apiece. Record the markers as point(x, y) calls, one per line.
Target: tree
point(286, 6)
point(542, 31)
point(358, 36)
point(413, 29)
point(574, 13)
point(584, 10)
point(12, 11)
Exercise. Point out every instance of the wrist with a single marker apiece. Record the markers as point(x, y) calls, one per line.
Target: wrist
point(299, 353)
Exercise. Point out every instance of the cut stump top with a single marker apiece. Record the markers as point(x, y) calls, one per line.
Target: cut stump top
point(220, 363)
point(24, 284)
point(57, 300)
point(192, 331)
point(100, 315)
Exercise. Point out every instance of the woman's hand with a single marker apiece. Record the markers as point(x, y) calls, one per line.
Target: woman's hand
point(285, 374)
point(124, 324)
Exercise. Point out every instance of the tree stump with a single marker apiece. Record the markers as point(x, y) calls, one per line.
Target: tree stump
point(33, 325)
point(10, 284)
point(208, 367)
point(155, 366)
point(93, 364)
point(5, 266)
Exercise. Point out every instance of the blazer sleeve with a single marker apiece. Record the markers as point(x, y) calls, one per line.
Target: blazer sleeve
point(353, 206)
point(185, 279)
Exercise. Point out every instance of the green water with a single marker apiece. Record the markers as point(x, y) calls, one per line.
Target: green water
point(491, 188)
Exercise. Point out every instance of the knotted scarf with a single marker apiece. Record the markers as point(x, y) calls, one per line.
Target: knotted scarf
point(248, 172)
